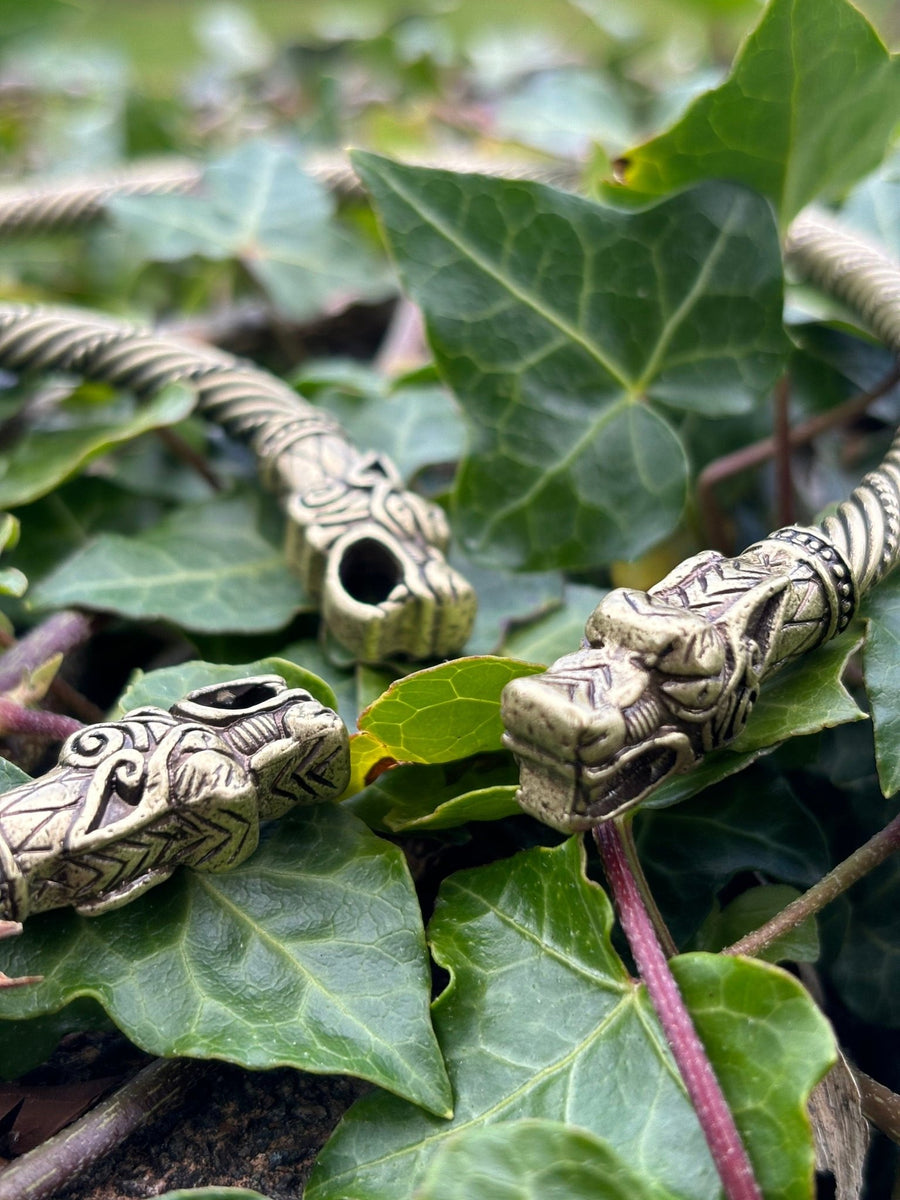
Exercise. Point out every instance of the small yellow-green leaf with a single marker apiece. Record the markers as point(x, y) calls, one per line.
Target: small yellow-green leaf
point(445, 712)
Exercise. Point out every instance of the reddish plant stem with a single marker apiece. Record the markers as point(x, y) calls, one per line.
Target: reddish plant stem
point(41, 1172)
point(666, 941)
point(713, 1113)
point(869, 856)
point(35, 722)
point(57, 635)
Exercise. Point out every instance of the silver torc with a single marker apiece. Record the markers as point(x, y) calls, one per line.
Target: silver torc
point(668, 675)
point(131, 800)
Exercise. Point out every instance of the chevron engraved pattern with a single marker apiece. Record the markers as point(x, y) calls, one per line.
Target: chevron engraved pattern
point(132, 800)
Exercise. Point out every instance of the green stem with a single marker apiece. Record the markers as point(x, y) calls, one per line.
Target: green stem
point(875, 851)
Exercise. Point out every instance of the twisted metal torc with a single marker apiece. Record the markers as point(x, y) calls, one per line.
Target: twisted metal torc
point(369, 552)
point(668, 675)
point(131, 800)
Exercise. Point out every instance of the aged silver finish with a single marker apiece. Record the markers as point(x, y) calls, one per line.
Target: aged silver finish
point(368, 552)
point(132, 800)
point(668, 675)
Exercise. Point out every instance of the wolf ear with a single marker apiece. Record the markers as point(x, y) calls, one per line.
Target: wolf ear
point(757, 614)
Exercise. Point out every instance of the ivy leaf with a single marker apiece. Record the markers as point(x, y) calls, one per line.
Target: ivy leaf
point(563, 112)
point(259, 208)
point(754, 823)
point(445, 712)
point(769, 1046)
point(808, 108)
point(11, 776)
point(26, 1044)
point(414, 424)
point(558, 632)
point(753, 908)
point(44, 458)
point(206, 567)
point(806, 696)
point(540, 1019)
point(874, 205)
point(520, 1160)
point(560, 324)
point(437, 796)
point(310, 954)
point(866, 969)
point(507, 600)
point(213, 1193)
point(168, 684)
point(882, 609)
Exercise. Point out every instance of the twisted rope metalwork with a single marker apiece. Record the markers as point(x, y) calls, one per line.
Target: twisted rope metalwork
point(866, 527)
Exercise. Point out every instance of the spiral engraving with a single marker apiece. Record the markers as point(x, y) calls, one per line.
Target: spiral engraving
point(132, 800)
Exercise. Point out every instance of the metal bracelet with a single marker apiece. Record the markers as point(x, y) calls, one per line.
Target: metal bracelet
point(132, 800)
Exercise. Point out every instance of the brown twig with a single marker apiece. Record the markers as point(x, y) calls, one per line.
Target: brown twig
point(879, 1104)
point(38, 1174)
point(182, 450)
point(869, 856)
point(759, 452)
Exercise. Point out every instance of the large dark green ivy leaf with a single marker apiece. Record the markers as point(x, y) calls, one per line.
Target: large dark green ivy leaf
point(206, 567)
point(258, 207)
point(561, 325)
point(752, 823)
point(310, 954)
point(811, 101)
point(540, 1019)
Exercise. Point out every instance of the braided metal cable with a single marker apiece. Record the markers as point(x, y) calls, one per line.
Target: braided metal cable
point(865, 528)
point(45, 205)
point(49, 205)
point(247, 401)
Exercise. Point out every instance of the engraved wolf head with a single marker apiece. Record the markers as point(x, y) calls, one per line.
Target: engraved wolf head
point(655, 686)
